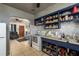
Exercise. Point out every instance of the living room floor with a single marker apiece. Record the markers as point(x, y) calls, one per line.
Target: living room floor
point(23, 49)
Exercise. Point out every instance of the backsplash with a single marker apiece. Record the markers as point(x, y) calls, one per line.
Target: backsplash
point(70, 28)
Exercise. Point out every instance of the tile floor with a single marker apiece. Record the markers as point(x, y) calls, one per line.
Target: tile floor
point(23, 49)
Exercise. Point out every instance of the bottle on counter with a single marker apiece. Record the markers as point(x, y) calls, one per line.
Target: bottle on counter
point(62, 52)
point(63, 35)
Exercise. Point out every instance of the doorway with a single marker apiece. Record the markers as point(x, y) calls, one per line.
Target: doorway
point(22, 43)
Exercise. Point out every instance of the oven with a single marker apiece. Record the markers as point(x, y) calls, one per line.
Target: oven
point(36, 42)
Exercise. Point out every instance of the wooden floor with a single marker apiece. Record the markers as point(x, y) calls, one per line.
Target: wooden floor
point(23, 49)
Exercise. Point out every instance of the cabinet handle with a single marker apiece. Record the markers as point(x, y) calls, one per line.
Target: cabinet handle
point(2, 37)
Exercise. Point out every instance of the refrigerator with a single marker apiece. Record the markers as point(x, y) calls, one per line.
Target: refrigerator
point(2, 39)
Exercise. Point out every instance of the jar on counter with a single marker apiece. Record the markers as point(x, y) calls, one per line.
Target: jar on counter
point(66, 17)
point(60, 18)
point(70, 17)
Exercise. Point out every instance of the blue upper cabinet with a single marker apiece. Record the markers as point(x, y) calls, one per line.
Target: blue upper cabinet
point(54, 19)
point(39, 21)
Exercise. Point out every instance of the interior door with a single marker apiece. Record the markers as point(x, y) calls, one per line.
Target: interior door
point(21, 31)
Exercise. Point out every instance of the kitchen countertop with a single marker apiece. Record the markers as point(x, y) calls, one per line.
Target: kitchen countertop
point(64, 40)
point(57, 39)
point(52, 38)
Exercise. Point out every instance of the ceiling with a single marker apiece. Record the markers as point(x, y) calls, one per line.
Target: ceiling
point(30, 7)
